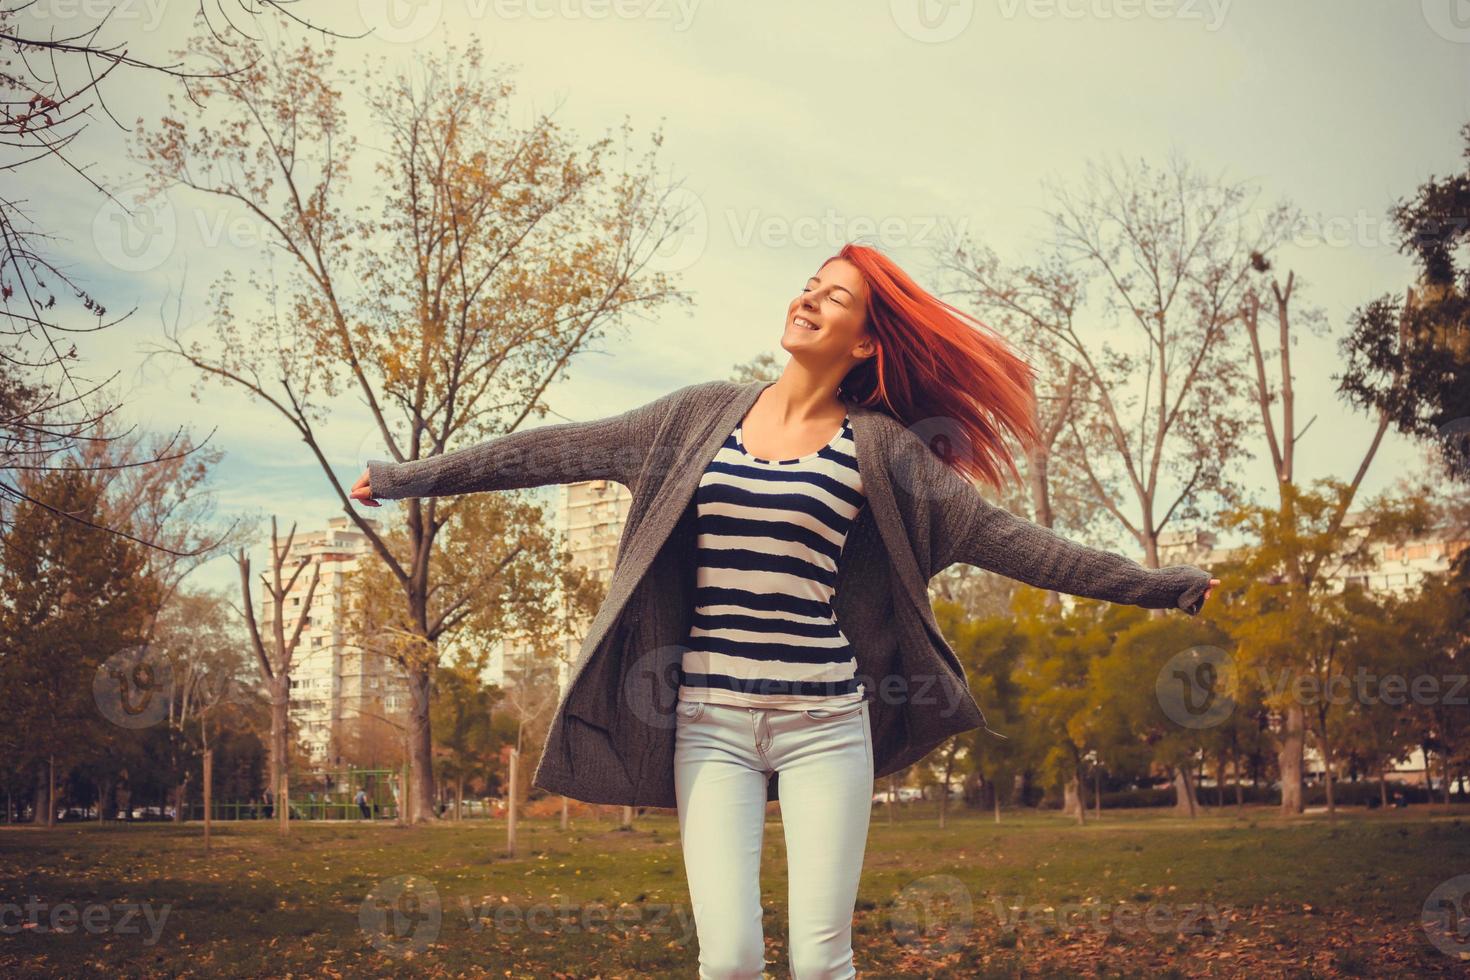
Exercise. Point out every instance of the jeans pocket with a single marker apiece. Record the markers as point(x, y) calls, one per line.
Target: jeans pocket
point(841, 711)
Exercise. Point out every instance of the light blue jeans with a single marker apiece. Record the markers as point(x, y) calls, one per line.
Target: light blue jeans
point(723, 755)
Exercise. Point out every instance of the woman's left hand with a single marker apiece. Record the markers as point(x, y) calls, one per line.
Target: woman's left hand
point(1213, 582)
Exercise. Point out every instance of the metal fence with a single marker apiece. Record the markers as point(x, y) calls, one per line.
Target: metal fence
point(325, 795)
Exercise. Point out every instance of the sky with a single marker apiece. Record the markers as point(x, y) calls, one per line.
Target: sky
point(796, 126)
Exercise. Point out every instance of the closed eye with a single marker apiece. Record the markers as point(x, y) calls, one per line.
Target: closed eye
point(807, 289)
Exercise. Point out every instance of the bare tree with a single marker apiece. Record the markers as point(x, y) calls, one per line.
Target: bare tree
point(1168, 250)
point(54, 87)
point(498, 254)
point(276, 660)
point(207, 682)
point(1306, 557)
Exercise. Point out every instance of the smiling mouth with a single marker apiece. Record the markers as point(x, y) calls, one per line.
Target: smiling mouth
point(804, 323)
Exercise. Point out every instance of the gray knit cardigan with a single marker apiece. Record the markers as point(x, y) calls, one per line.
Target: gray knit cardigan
point(612, 738)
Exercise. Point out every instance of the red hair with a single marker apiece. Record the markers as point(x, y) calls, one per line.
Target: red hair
point(932, 367)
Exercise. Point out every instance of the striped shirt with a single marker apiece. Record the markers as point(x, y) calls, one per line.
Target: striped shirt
point(770, 535)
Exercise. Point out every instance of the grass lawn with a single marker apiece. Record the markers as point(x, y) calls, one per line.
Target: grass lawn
point(1136, 894)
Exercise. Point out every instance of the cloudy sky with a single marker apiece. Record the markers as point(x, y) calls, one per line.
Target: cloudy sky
point(796, 126)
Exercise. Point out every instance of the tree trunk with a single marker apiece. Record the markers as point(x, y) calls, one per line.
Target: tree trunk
point(104, 799)
point(1184, 800)
point(39, 798)
point(1235, 776)
point(944, 786)
point(421, 750)
point(1383, 785)
point(280, 691)
point(1072, 802)
point(51, 791)
point(1289, 758)
point(1019, 787)
point(1327, 774)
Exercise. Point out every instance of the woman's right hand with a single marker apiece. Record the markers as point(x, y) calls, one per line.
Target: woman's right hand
point(362, 491)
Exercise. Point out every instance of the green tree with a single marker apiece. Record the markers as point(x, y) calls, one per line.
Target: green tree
point(989, 648)
point(462, 714)
point(71, 596)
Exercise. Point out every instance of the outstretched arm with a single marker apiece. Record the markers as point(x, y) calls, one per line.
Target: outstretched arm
point(965, 527)
point(612, 448)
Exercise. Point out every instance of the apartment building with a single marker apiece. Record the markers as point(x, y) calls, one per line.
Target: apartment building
point(333, 682)
point(590, 515)
point(1393, 568)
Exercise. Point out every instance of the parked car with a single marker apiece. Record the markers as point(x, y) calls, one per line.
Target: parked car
point(153, 813)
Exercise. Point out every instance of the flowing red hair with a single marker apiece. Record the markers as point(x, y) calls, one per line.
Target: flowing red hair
point(962, 388)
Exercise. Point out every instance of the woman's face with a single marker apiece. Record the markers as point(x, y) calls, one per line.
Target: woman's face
point(827, 321)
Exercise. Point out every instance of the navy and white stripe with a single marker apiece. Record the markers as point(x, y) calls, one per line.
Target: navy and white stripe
point(770, 534)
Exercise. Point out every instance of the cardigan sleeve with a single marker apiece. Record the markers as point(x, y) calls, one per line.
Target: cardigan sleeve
point(970, 529)
point(613, 448)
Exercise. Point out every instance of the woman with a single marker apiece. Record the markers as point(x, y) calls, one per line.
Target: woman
point(769, 590)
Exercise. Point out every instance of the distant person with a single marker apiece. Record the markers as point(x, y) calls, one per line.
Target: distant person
point(362, 805)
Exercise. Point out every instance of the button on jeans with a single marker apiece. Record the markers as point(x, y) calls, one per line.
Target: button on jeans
point(723, 755)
